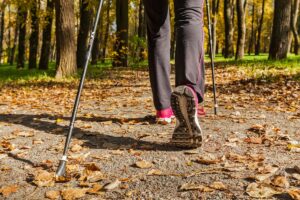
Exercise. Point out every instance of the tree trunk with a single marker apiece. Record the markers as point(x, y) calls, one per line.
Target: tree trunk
point(86, 14)
point(259, 31)
point(65, 38)
point(294, 21)
point(121, 45)
point(141, 31)
point(34, 37)
point(229, 29)
point(45, 55)
point(22, 18)
point(215, 11)
point(241, 14)
point(106, 30)
point(2, 30)
point(251, 41)
point(281, 29)
point(97, 43)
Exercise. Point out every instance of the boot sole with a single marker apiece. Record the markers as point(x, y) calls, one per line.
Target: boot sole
point(188, 133)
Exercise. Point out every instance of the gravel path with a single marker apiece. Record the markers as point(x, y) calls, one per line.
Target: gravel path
point(116, 133)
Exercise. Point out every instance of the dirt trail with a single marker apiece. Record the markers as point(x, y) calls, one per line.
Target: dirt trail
point(116, 138)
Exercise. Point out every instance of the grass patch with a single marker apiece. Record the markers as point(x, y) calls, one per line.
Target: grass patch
point(254, 66)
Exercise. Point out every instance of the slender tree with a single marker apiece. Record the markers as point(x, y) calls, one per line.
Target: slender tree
point(260, 26)
point(106, 35)
point(13, 49)
point(121, 44)
point(65, 38)
point(86, 13)
point(241, 6)
point(281, 29)
point(2, 15)
point(141, 30)
point(229, 28)
point(22, 18)
point(34, 37)
point(252, 36)
point(46, 45)
point(215, 11)
point(294, 21)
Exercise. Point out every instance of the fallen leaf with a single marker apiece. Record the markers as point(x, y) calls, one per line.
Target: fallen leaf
point(52, 194)
point(294, 146)
point(76, 148)
point(192, 186)
point(296, 176)
point(208, 159)
point(192, 152)
point(112, 185)
point(143, 164)
point(218, 186)
point(260, 190)
point(3, 156)
point(294, 193)
point(154, 172)
point(7, 190)
point(95, 189)
point(23, 133)
point(73, 193)
point(253, 140)
point(43, 178)
point(237, 158)
point(37, 141)
point(6, 145)
point(281, 181)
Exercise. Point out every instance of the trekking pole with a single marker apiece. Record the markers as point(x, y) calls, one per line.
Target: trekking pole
point(212, 58)
point(62, 164)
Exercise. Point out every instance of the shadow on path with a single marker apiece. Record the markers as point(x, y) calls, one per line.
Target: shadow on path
point(91, 138)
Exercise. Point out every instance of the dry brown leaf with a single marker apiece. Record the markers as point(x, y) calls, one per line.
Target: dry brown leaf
point(154, 172)
point(143, 164)
point(76, 148)
point(208, 159)
point(260, 190)
point(95, 189)
point(281, 181)
point(112, 185)
point(192, 186)
point(296, 176)
point(52, 194)
point(258, 128)
point(43, 178)
point(237, 158)
point(267, 169)
point(7, 190)
point(73, 193)
point(23, 133)
point(6, 145)
point(37, 141)
point(294, 193)
point(218, 186)
point(253, 140)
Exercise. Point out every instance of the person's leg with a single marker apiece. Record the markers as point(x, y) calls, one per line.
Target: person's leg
point(158, 29)
point(189, 60)
point(189, 65)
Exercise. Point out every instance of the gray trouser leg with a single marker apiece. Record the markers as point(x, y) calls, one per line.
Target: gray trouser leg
point(189, 58)
point(189, 47)
point(159, 36)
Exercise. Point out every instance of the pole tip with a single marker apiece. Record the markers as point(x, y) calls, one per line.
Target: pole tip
point(61, 170)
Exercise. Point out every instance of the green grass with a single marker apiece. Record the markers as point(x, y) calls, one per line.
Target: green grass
point(254, 66)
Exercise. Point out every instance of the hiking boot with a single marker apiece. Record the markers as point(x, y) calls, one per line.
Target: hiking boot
point(188, 133)
point(164, 116)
